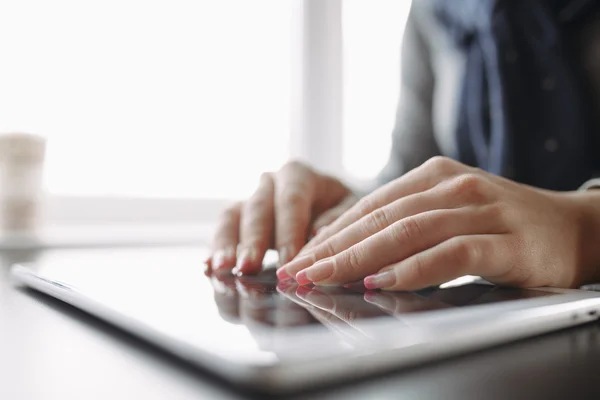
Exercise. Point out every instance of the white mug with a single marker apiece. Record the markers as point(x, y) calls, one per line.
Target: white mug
point(21, 182)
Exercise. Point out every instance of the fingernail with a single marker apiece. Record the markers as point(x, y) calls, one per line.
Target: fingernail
point(282, 274)
point(223, 257)
point(297, 264)
point(246, 259)
point(285, 254)
point(380, 281)
point(318, 272)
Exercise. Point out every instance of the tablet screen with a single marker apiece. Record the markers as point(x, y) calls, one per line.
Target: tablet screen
point(166, 296)
point(171, 288)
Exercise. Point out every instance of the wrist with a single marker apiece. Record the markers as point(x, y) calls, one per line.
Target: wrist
point(586, 212)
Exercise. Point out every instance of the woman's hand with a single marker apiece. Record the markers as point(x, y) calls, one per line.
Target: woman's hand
point(444, 220)
point(287, 207)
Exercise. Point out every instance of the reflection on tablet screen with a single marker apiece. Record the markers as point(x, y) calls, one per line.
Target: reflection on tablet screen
point(263, 300)
point(169, 291)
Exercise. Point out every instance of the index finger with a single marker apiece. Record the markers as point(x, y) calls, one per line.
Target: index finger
point(418, 180)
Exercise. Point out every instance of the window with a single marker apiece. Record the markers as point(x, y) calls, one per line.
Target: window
point(138, 98)
point(372, 34)
point(146, 103)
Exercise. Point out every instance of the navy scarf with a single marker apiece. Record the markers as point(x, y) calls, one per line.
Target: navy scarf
point(524, 110)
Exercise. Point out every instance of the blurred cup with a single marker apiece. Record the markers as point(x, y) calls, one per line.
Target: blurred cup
point(21, 187)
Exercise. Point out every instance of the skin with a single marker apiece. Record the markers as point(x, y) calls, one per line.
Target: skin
point(436, 223)
point(288, 206)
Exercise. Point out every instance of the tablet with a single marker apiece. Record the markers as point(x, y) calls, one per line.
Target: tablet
point(278, 337)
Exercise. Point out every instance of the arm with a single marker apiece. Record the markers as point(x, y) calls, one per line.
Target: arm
point(413, 140)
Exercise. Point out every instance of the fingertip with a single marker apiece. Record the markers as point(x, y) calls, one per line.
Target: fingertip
point(282, 274)
point(298, 264)
point(302, 279)
point(207, 270)
point(382, 280)
point(223, 259)
point(249, 261)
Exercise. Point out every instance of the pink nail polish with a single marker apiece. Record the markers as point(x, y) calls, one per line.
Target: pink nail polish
point(246, 259)
point(302, 279)
point(282, 274)
point(223, 258)
point(380, 281)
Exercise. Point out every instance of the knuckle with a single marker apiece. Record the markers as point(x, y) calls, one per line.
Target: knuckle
point(292, 197)
point(498, 212)
point(465, 253)
point(470, 186)
point(263, 189)
point(419, 268)
point(326, 249)
point(377, 221)
point(365, 206)
point(265, 177)
point(352, 261)
point(408, 229)
point(439, 164)
point(294, 165)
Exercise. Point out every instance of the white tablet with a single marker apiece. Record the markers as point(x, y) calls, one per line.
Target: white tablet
point(276, 336)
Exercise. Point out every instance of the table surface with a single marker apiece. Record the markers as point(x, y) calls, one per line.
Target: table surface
point(49, 350)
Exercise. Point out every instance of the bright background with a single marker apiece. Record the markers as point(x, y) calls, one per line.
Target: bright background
point(183, 98)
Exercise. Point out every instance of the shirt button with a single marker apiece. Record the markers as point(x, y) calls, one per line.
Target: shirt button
point(551, 145)
point(549, 83)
